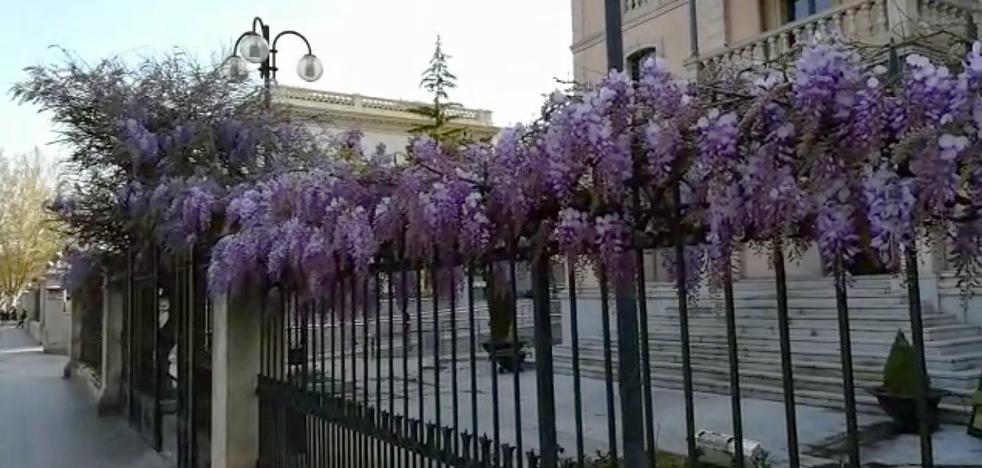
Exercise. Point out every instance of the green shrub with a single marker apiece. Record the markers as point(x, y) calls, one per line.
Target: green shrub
point(900, 371)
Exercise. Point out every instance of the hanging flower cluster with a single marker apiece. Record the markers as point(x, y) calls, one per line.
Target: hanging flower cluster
point(180, 172)
point(829, 151)
point(825, 152)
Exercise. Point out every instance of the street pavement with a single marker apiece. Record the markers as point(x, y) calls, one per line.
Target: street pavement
point(50, 422)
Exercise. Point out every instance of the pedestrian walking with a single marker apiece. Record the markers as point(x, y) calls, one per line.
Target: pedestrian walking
point(23, 318)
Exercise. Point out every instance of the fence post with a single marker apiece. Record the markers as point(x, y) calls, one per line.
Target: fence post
point(917, 335)
point(235, 370)
point(628, 375)
point(628, 372)
point(113, 297)
point(543, 362)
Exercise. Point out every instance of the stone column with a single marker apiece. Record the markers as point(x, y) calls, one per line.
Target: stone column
point(235, 369)
point(113, 299)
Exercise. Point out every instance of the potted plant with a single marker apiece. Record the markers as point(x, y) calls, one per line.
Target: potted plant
point(501, 345)
point(897, 395)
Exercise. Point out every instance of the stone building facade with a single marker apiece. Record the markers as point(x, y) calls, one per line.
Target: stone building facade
point(747, 31)
point(381, 120)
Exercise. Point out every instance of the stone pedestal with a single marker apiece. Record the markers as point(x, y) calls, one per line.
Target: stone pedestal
point(113, 302)
point(235, 368)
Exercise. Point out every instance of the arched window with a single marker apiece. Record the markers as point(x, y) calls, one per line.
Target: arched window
point(636, 60)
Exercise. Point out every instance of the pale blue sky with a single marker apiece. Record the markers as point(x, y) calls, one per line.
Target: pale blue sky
point(505, 52)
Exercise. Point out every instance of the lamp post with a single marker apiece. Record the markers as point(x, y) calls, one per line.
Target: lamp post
point(255, 47)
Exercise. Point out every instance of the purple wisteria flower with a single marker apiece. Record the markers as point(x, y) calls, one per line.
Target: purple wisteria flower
point(809, 157)
point(932, 94)
point(574, 233)
point(890, 204)
point(141, 142)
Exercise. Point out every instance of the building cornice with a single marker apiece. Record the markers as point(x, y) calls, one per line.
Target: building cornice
point(631, 21)
point(401, 123)
point(356, 104)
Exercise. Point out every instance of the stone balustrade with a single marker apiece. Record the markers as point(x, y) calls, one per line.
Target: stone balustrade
point(357, 101)
point(872, 22)
point(863, 20)
point(950, 15)
point(630, 5)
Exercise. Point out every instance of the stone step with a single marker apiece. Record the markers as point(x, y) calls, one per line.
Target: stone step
point(944, 325)
point(868, 374)
point(829, 353)
point(426, 324)
point(741, 291)
point(806, 313)
point(879, 283)
point(865, 373)
point(823, 301)
point(795, 284)
point(807, 343)
point(955, 408)
point(821, 334)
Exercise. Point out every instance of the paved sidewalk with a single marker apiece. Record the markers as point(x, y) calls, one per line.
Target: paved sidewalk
point(50, 422)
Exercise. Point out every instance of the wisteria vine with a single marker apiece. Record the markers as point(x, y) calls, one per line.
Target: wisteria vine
point(831, 151)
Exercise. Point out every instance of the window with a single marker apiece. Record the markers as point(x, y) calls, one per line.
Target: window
point(636, 60)
point(798, 9)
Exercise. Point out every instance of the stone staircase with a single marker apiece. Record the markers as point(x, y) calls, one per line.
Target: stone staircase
point(452, 326)
point(877, 310)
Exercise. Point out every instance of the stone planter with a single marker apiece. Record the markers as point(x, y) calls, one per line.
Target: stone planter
point(903, 409)
point(503, 352)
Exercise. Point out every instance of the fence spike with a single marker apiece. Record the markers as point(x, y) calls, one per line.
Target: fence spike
point(485, 449)
point(508, 453)
point(447, 443)
point(431, 443)
point(465, 438)
point(414, 432)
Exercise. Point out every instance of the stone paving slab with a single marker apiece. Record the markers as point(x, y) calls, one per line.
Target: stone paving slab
point(49, 422)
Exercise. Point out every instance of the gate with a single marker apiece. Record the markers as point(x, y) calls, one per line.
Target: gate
point(430, 367)
point(88, 302)
point(385, 371)
point(192, 311)
point(168, 354)
point(145, 363)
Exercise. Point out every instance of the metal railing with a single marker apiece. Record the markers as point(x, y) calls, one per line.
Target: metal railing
point(369, 373)
point(90, 336)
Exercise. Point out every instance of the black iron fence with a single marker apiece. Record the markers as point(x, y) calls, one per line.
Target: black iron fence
point(449, 367)
point(192, 314)
point(167, 354)
point(145, 364)
point(88, 305)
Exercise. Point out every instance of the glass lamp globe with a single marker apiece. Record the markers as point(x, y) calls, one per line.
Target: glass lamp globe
point(235, 68)
point(253, 48)
point(310, 68)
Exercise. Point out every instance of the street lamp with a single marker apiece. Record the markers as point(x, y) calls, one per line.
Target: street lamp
point(255, 47)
